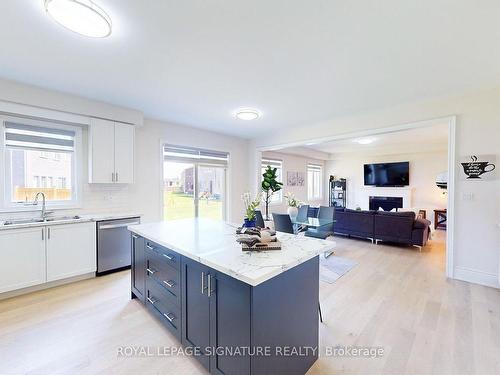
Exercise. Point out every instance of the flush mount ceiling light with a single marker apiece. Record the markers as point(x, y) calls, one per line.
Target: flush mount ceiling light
point(364, 141)
point(81, 16)
point(247, 114)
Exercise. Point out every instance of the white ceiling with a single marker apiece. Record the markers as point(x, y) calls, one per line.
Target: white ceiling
point(425, 139)
point(195, 61)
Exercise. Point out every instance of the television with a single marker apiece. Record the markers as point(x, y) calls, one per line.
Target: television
point(387, 174)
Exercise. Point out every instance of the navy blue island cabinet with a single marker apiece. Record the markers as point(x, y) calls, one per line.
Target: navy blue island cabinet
point(235, 328)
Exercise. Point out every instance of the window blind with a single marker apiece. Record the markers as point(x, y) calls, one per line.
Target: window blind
point(195, 155)
point(314, 167)
point(272, 163)
point(40, 138)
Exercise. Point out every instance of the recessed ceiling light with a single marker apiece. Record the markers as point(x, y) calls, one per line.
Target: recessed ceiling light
point(247, 114)
point(81, 16)
point(364, 141)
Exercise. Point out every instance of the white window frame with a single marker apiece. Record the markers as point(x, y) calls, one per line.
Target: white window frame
point(314, 169)
point(76, 171)
point(276, 198)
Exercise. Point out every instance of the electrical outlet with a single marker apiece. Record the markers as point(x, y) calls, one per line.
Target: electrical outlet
point(467, 196)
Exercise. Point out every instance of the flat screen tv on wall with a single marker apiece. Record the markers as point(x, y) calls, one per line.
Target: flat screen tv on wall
point(387, 174)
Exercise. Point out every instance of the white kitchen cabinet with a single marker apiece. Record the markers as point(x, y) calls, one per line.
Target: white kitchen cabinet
point(111, 152)
point(71, 250)
point(22, 258)
point(124, 153)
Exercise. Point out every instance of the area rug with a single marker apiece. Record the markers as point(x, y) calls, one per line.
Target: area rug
point(333, 268)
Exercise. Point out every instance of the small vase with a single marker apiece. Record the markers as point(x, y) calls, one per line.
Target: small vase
point(249, 223)
point(293, 212)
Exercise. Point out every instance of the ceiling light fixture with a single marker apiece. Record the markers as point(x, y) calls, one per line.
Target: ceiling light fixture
point(247, 114)
point(81, 16)
point(364, 141)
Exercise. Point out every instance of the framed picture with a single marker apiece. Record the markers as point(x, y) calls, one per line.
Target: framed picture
point(291, 178)
point(301, 178)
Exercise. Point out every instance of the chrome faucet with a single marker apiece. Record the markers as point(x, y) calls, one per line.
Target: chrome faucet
point(35, 203)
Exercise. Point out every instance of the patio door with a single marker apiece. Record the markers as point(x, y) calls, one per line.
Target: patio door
point(194, 183)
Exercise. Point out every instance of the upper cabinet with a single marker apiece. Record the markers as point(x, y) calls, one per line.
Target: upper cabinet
point(111, 152)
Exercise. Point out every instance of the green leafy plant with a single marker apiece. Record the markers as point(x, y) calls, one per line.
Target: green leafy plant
point(250, 205)
point(270, 186)
point(291, 201)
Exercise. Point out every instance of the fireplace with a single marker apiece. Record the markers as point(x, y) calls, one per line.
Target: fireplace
point(386, 203)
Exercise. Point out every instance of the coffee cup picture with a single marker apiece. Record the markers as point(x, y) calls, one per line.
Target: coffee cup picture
point(475, 168)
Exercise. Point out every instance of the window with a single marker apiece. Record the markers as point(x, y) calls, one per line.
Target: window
point(314, 182)
point(278, 164)
point(194, 183)
point(39, 157)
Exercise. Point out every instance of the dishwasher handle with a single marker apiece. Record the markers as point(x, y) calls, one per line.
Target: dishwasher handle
point(121, 225)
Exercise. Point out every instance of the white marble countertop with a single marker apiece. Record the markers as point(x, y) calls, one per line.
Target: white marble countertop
point(68, 219)
point(213, 243)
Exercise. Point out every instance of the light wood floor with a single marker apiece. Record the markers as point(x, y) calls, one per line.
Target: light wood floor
point(395, 298)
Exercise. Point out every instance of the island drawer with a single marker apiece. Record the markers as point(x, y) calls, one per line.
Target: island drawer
point(163, 305)
point(168, 277)
point(171, 257)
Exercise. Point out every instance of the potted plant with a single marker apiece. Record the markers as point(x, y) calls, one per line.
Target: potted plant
point(270, 185)
point(250, 206)
point(293, 205)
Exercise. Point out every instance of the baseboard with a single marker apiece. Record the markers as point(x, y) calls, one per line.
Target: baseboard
point(476, 277)
point(51, 284)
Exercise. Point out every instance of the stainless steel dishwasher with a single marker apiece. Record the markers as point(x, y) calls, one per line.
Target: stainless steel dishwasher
point(114, 244)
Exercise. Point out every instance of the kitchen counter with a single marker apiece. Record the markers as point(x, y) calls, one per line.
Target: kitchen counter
point(194, 278)
point(68, 220)
point(213, 244)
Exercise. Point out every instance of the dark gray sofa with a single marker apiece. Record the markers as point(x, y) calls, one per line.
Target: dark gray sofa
point(398, 227)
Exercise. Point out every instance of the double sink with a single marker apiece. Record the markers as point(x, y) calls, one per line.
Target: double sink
point(40, 220)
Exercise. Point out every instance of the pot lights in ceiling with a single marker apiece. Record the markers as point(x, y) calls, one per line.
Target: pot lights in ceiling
point(247, 114)
point(364, 141)
point(81, 16)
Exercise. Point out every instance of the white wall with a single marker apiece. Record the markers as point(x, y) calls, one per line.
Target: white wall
point(477, 238)
point(294, 163)
point(424, 167)
point(144, 196)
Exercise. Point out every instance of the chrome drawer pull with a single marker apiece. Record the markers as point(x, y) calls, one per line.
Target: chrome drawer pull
point(150, 247)
point(152, 301)
point(150, 271)
point(169, 283)
point(135, 236)
point(209, 293)
point(170, 319)
point(167, 256)
point(203, 283)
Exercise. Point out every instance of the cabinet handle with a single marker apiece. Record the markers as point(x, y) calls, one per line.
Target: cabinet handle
point(48, 233)
point(112, 176)
point(151, 301)
point(203, 283)
point(43, 235)
point(169, 283)
point(134, 236)
point(116, 174)
point(167, 256)
point(170, 319)
point(150, 271)
point(150, 247)
point(209, 293)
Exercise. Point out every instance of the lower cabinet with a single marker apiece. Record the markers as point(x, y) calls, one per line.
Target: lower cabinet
point(22, 258)
point(203, 308)
point(216, 314)
point(71, 250)
point(138, 276)
point(196, 308)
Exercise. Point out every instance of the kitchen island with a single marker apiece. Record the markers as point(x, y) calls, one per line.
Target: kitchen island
point(240, 312)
